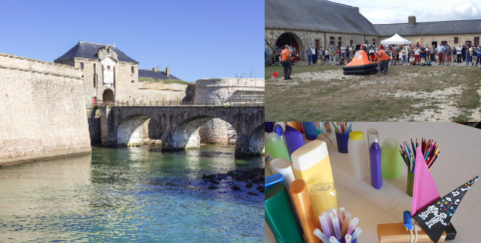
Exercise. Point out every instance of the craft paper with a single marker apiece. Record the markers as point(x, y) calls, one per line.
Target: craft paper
point(435, 218)
point(425, 190)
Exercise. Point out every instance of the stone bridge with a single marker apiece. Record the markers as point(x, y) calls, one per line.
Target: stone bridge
point(177, 126)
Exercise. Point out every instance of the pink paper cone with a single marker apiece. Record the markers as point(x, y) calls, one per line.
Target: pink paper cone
point(425, 190)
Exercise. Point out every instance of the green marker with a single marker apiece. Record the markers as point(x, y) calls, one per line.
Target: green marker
point(276, 147)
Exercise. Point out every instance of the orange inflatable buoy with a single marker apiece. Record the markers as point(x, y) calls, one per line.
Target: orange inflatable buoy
point(360, 64)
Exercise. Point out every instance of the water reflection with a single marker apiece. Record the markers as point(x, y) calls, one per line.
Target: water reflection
point(129, 195)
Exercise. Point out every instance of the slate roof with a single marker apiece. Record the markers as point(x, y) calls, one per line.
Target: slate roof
point(430, 28)
point(318, 15)
point(89, 50)
point(156, 74)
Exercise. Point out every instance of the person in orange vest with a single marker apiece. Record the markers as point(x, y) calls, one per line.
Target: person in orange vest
point(383, 64)
point(286, 59)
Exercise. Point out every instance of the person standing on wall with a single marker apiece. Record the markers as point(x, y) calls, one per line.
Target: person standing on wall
point(383, 64)
point(286, 59)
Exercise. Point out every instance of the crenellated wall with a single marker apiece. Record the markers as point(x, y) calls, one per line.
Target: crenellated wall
point(42, 111)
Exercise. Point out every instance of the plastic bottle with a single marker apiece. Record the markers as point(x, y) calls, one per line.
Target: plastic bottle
point(311, 163)
point(304, 208)
point(357, 148)
point(279, 215)
point(310, 130)
point(391, 159)
point(372, 134)
point(293, 138)
point(283, 166)
point(276, 147)
point(268, 127)
point(376, 164)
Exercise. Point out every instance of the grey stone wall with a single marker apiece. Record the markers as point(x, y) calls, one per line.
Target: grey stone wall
point(230, 91)
point(305, 38)
point(93, 120)
point(42, 110)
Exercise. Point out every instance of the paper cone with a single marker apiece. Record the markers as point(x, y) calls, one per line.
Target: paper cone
point(425, 190)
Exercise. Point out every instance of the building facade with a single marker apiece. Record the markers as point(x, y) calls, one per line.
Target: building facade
point(322, 23)
point(110, 75)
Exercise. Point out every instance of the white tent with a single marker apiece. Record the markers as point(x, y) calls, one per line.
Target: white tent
point(396, 39)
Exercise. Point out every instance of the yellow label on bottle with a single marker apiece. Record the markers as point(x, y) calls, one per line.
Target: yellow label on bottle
point(320, 172)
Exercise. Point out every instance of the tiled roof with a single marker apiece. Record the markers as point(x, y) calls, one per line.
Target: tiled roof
point(319, 15)
point(89, 50)
point(430, 28)
point(155, 74)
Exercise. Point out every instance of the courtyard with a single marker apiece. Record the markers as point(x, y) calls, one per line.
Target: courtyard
point(406, 93)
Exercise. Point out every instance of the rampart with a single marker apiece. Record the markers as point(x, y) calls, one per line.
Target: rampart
point(42, 111)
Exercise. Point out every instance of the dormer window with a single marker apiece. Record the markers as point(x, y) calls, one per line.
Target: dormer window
point(81, 65)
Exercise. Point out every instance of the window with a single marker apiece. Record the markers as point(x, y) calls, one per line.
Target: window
point(456, 40)
point(132, 70)
point(95, 76)
point(81, 65)
point(332, 40)
point(366, 41)
point(374, 42)
point(108, 67)
point(317, 43)
point(351, 42)
point(476, 41)
point(444, 43)
point(132, 81)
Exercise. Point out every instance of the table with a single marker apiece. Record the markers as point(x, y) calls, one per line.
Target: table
point(459, 161)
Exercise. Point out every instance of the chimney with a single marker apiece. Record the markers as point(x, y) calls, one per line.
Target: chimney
point(357, 9)
point(167, 71)
point(411, 20)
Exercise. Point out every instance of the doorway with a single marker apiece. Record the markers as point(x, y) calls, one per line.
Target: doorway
point(108, 97)
point(434, 44)
point(288, 39)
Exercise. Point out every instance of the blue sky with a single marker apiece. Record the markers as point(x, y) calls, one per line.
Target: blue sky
point(195, 39)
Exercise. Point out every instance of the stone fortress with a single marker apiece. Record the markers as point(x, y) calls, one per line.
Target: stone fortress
point(322, 23)
point(49, 109)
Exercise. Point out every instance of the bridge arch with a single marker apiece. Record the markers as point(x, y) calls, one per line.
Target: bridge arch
point(186, 134)
point(134, 129)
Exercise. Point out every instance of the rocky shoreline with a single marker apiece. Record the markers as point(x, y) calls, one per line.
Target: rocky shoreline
point(252, 179)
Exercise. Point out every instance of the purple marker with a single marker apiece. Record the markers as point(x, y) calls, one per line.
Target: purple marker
point(376, 164)
point(294, 139)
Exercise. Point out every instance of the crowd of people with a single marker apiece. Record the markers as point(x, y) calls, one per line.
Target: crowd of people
point(319, 56)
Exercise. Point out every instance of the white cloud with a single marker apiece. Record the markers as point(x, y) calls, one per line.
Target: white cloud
point(386, 12)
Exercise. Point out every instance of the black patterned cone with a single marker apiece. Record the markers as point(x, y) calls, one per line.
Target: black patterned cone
point(435, 217)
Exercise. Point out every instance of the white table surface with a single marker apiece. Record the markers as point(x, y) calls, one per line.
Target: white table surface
point(459, 161)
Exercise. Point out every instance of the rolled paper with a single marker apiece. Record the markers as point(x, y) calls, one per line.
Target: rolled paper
point(296, 125)
point(294, 139)
point(273, 180)
point(283, 166)
point(269, 126)
point(376, 165)
point(279, 215)
point(276, 147)
point(397, 232)
point(345, 223)
point(311, 163)
point(304, 208)
point(310, 130)
point(391, 159)
point(357, 146)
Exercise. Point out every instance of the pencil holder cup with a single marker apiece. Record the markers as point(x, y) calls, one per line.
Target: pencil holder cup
point(410, 177)
point(342, 142)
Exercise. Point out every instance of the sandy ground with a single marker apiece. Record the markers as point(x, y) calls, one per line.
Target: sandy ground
point(447, 107)
point(310, 76)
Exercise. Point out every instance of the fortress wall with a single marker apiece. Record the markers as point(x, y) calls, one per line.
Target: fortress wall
point(42, 111)
point(234, 90)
